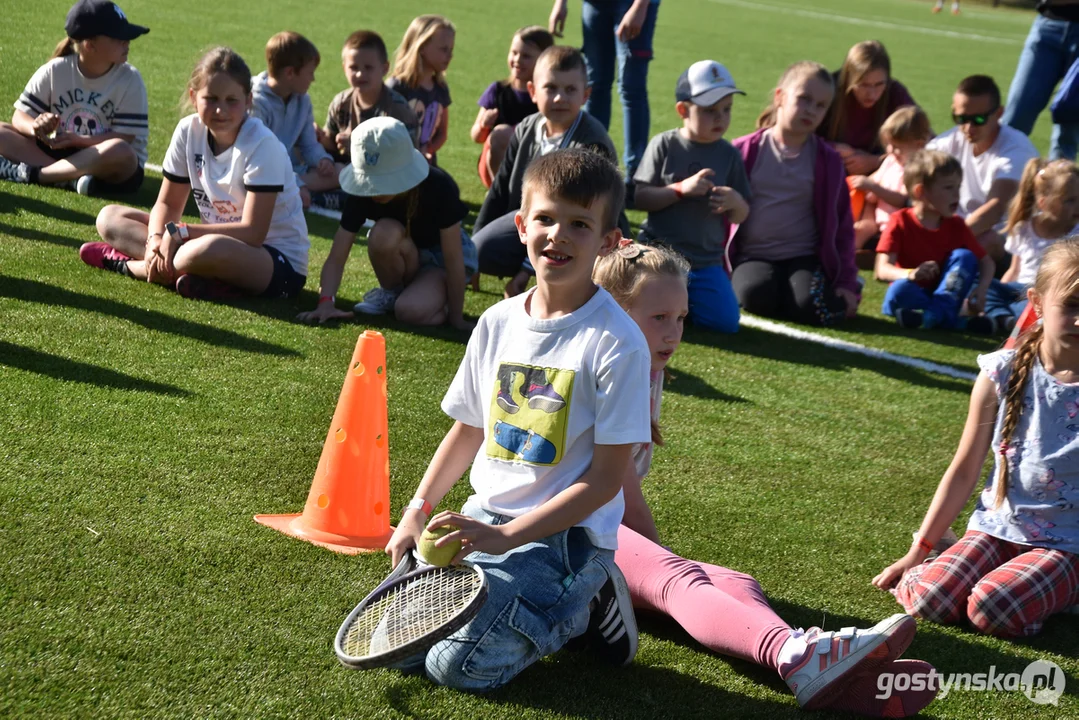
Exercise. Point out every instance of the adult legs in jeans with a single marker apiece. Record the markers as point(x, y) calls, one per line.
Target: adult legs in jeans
point(499, 248)
point(1050, 49)
point(598, 22)
point(712, 303)
point(601, 49)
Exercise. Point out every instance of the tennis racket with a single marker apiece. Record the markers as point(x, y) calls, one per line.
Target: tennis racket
point(413, 608)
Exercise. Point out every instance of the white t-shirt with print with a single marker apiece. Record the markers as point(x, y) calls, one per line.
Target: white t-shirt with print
point(1005, 159)
point(114, 102)
point(1029, 247)
point(256, 162)
point(546, 392)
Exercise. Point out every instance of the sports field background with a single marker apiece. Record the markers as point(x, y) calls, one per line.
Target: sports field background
point(139, 432)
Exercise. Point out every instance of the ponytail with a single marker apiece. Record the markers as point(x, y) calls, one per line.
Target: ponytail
point(65, 47)
point(1021, 208)
point(1022, 363)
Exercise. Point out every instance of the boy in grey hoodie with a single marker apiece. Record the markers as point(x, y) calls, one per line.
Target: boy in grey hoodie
point(280, 101)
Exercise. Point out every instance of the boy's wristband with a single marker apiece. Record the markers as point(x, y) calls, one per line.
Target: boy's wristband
point(924, 545)
point(326, 298)
point(677, 187)
point(910, 273)
point(418, 503)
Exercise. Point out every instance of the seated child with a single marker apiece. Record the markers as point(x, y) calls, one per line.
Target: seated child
point(650, 283)
point(419, 75)
point(1018, 562)
point(82, 121)
point(418, 250)
point(548, 402)
point(693, 185)
point(794, 256)
point(559, 88)
point(506, 102)
point(930, 256)
point(279, 99)
point(903, 133)
point(1044, 210)
point(252, 238)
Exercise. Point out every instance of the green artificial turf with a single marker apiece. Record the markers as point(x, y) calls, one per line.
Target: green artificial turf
point(139, 432)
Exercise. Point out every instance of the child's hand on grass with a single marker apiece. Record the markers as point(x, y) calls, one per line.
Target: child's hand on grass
point(323, 313)
point(891, 575)
point(851, 299)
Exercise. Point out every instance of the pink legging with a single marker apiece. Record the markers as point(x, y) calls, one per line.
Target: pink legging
point(722, 609)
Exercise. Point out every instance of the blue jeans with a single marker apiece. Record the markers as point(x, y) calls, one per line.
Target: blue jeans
point(599, 20)
point(537, 599)
point(432, 257)
point(1050, 49)
point(942, 305)
point(1004, 299)
point(712, 303)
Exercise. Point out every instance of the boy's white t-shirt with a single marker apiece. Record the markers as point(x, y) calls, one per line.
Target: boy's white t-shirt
point(114, 102)
point(1029, 247)
point(546, 392)
point(1005, 159)
point(256, 162)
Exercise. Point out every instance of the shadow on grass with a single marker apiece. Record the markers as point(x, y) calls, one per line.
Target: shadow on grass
point(759, 343)
point(34, 291)
point(60, 368)
point(881, 325)
point(25, 233)
point(686, 383)
point(21, 204)
point(577, 685)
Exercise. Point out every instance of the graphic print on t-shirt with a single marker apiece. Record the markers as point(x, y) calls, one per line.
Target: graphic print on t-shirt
point(530, 414)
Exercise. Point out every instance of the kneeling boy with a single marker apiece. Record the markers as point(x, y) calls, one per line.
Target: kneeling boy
point(548, 402)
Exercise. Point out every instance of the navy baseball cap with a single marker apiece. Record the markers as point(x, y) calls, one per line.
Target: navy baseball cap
point(90, 18)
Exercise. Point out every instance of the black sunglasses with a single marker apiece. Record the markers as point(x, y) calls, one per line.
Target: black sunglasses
point(979, 119)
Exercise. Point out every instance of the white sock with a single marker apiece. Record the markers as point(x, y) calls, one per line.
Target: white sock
point(793, 649)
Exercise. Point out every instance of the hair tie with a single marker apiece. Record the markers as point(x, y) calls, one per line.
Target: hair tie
point(1003, 450)
point(630, 250)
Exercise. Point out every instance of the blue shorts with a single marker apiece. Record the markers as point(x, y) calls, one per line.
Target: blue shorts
point(432, 256)
point(285, 282)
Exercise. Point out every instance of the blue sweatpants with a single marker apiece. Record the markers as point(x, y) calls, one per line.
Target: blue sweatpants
point(712, 302)
point(942, 305)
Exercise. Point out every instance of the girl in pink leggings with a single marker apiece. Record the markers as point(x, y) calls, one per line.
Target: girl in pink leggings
point(723, 609)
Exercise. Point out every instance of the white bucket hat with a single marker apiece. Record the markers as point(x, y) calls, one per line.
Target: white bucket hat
point(384, 161)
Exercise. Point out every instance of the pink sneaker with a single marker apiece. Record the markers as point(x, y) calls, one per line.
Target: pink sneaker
point(875, 693)
point(102, 255)
point(833, 659)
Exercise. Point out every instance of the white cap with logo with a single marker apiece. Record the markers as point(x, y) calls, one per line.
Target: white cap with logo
point(705, 83)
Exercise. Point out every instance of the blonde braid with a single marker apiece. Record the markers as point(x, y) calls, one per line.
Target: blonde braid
point(1022, 363)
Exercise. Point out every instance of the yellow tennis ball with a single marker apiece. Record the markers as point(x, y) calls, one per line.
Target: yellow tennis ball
point(440, 556)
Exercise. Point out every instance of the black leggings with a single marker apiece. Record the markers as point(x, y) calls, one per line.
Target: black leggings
point(794, 289)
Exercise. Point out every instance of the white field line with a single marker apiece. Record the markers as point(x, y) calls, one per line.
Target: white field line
point(925, 365)
point(332, 214)
point(866, 22)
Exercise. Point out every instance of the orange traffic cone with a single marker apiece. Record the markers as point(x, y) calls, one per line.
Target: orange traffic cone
point(1026, 319)
point(348, 508)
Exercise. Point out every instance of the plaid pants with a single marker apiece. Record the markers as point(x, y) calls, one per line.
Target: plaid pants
point(1004, 589)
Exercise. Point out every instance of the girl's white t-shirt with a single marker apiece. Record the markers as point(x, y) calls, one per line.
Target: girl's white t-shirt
point(1029, 246)
point(256, 162)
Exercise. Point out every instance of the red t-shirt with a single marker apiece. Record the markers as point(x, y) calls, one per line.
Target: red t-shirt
point(914, 244)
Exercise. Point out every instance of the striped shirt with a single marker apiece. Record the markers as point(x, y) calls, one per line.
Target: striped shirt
point(114, 102)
